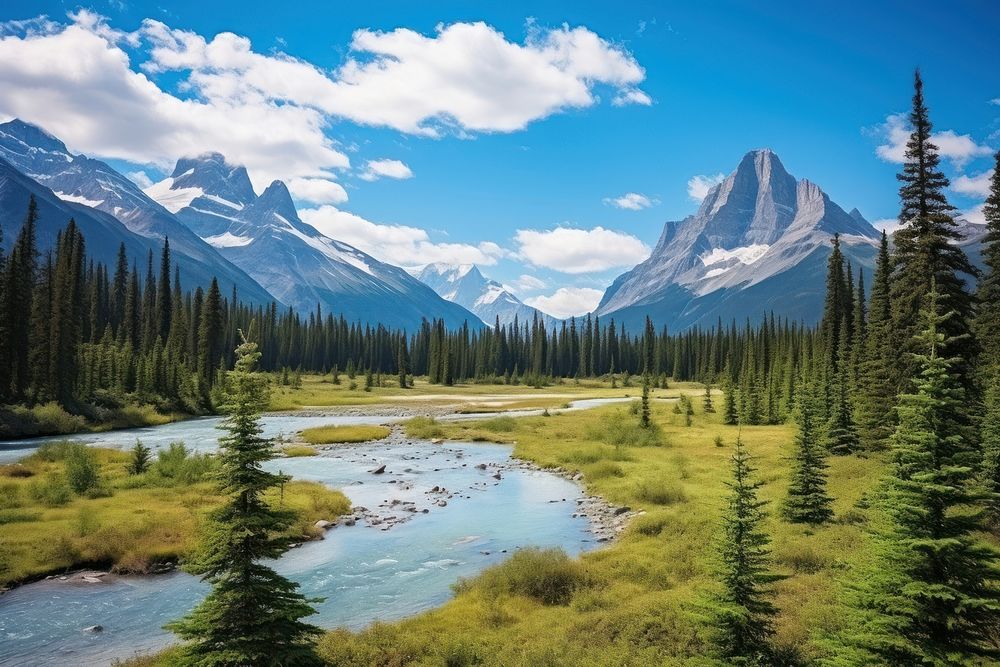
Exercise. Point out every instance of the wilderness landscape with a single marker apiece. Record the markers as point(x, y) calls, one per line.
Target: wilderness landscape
point(422, 336)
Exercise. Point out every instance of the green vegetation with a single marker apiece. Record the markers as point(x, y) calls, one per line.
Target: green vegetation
point(252, 615)
point(425, 428)
point(326, 435)
point(128, 522)
point(299, 450)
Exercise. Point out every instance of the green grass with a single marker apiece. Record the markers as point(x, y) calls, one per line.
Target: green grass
point(327, 435)
point(299, 450)
point(635, 601)
point(132, 522)
point(424, 428)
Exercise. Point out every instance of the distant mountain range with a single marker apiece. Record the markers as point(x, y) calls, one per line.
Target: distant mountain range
point(296, 263)
point(488, 299)
point(758, 243)
point(109, 208)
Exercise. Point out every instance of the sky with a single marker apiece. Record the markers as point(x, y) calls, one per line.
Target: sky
point(546, 142)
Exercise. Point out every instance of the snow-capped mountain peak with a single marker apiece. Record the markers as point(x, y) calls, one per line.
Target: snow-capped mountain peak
point(466, 285)
point(758, 223)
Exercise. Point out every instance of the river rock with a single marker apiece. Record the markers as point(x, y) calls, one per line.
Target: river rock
point(379, 470)
point(324, 524)
point(94, 629)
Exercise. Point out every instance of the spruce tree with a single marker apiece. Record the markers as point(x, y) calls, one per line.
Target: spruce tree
point(644, 406)
point(730, 415)
point(988, 330)
point(707, 404)
point(252, 616)
point(925, 250)
point(808, 500)
point(742, 614)
point(842, 437)
point(933, 595)
point(874, 399)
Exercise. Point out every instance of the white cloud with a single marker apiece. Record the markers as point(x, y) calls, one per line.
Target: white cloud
point(886, 224)
point(83, 89)
point(572, 250)
point(995, 101)
point(317, 190)
point(397, 244)
point(140, 178)
point(567, 301)
point(376, 169)
point(959, 148)
point(975, 186)
point(631, 201)
point(698, 186)
point(631, 96)
point(271, 111)
point(975, 215)
point(525, 283)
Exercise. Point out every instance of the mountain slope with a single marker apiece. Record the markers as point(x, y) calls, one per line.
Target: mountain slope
point(81, 180)
point(300, 266)
point(759, 242)
point(467, 286)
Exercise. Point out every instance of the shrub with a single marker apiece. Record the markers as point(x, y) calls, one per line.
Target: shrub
point(660, 491)
point(10, 496)
point(424, 428)
point(81, 469)
point(52, 491)
point(603, 469)
point(175, 464)
point(15, 470)
point(141, 455)
point(651, 524)
point(504, 424)
point(546, 575)
point(621, 431)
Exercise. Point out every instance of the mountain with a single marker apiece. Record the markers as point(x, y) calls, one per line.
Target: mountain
point(294, 261)
point(80, 180)
point(103, 233)
point(759, 242)
point(467, 286)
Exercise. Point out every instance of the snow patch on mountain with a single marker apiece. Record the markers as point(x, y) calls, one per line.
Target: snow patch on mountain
point(744, 255)
point(172, 199)
point(228, 240)
point(466, 285)
point(79, 199)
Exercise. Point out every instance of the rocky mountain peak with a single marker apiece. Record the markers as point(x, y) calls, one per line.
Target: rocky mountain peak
point(33, 136)
point(275, 199)
point(214, 175)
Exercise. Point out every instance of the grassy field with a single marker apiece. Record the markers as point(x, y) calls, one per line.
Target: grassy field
point(330, 435)
point(125, 522)
point(320, 391)
point(637, 601)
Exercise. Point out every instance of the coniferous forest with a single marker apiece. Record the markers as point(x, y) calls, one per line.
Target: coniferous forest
point(904, 363)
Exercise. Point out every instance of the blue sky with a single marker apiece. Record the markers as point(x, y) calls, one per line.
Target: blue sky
point(704, 82)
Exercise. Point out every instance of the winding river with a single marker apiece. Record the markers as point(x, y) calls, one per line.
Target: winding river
point(365, 573)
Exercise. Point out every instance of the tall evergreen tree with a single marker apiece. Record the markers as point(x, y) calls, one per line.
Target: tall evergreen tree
point(874, 400)
point(988, 330)
point(933, 596)
point(925, 251)
point(22, 270)
point(808, 500)
point(252, 616)
point(743, 613)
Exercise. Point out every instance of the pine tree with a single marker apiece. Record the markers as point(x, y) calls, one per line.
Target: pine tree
point(252, 616)
point(209, 338)
point(874, 400)
point(742, 614)
point(139, 458)
point(842, 437)
point(707, 404)
point(808, 500)
point(644, 406)
point(730, 415)
point(925, 251)
point(933, 596)
point(22, 271)
point(988, 330)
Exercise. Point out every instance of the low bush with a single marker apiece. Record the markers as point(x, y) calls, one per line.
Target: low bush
point(177, 465)
point(546, 575)
point(651, 524)
point(660, 492)
point(15, 470)
point(620, 430)
point(51, 491)
point(504, 424)
point(424, 428)
point(299, 450)
point(82, 472)
point(603, 469)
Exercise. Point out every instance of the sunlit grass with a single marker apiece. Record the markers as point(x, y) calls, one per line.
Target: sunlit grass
point(327, 435)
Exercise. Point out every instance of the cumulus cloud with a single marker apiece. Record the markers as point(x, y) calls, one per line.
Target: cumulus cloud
point(959, 148)
point(567, 301)
point(974, 186)
point(631, 96)
point(376, 169)
point(631, 201)
point(698, 186)
point(397, 244)
point(466, 77)
point(572, 250)
point(317, 190)
point(886, 224)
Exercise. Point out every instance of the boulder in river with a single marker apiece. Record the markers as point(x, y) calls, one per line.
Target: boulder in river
point(379, 470)
point(324, 524)
point(94, 629)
